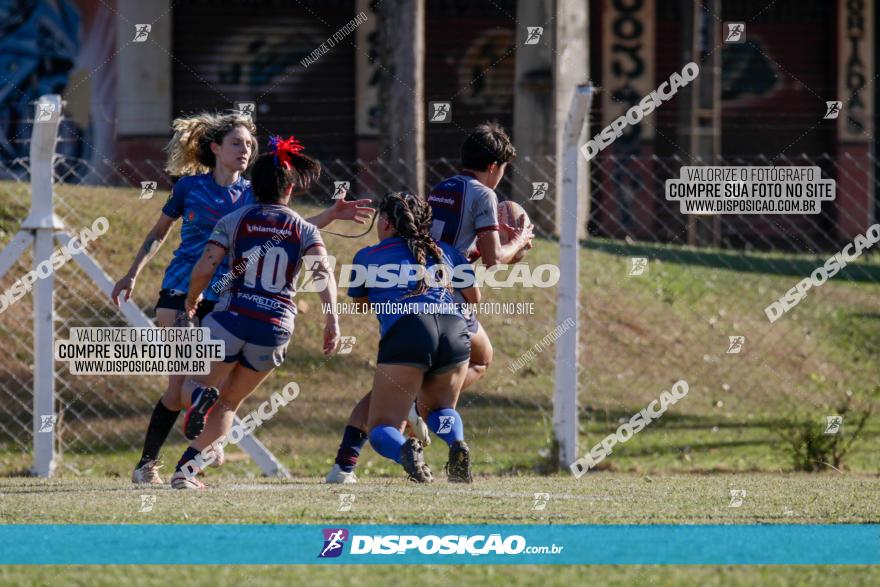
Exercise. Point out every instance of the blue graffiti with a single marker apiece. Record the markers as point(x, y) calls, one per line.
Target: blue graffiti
point(38, 48)
point(746, 72)
point(261, 61)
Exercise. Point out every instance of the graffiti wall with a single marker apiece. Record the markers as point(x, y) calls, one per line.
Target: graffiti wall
point(57, 47)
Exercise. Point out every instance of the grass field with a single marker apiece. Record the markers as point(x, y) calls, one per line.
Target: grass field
point(619, 498)
point(638, 335)
point(616, 498)
point(562, 576)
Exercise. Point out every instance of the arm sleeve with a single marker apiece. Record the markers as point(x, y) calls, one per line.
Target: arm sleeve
point(485, 210)
point(356, 291)
point(174, 205)
point(311, 237)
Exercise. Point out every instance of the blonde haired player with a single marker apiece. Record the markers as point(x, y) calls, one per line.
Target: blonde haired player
point(208, 152)
point(255, 315)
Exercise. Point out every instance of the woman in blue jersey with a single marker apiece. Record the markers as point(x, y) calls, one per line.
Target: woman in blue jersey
point(264, 243)
point(464, 211)
point(424, 343)
point(209, 152)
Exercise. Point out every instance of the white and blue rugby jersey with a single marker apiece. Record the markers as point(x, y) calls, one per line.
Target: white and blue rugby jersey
point(265, 243)
point(461, 208)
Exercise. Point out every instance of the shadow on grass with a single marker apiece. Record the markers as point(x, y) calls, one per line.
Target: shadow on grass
point(868, 315)
point(530, 429)
point(14, 473)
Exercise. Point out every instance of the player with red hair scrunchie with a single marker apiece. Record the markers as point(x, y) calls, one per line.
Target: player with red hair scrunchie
point(208, 153)
point(264, 244)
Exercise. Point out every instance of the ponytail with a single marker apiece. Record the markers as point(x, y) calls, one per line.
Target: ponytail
point(411, 218)
point(283, 170)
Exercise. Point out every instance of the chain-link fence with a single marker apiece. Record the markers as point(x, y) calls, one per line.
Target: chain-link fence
point(628, 201)
point(664, 310)
point(643, 324)
point(100, 414)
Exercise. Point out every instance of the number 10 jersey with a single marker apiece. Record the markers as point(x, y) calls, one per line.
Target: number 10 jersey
point(265, 245)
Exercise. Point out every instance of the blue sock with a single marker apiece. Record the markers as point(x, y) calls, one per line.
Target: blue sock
point(387, 441)
point(194, 395)
point(188, 455)
point(446, 423)
point(353, 441)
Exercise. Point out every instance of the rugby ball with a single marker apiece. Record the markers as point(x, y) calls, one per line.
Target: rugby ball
point(512, 214)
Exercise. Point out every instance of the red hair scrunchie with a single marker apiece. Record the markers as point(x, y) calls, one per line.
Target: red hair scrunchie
point(284, 150)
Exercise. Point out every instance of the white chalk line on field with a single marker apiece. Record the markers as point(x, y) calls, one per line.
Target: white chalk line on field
point(359, 488)
point(426, 490)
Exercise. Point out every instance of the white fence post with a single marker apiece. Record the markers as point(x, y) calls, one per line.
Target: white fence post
point(42, 227)
point(565, 411)
point(43, 223)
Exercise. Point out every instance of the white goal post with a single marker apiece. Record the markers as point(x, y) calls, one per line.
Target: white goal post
point(42, 228)
point(571, 192)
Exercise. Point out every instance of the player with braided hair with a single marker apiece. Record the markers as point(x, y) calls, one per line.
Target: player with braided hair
point(464, 211)
point(424, 347)
point(413, 221)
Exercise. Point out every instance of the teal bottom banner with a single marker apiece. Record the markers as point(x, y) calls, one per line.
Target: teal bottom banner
point(441, 544)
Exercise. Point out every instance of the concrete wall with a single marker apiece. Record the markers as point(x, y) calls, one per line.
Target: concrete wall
point(143, 89)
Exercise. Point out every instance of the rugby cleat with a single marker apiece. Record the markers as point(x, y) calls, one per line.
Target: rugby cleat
point(180, 481)
point(197, 414)
point(458, 469)
point(417, 426)
point(412, 457)
point(148, 473)
point(337, 475)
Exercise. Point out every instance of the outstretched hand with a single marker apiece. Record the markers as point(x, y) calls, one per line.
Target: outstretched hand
point(357, 210)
